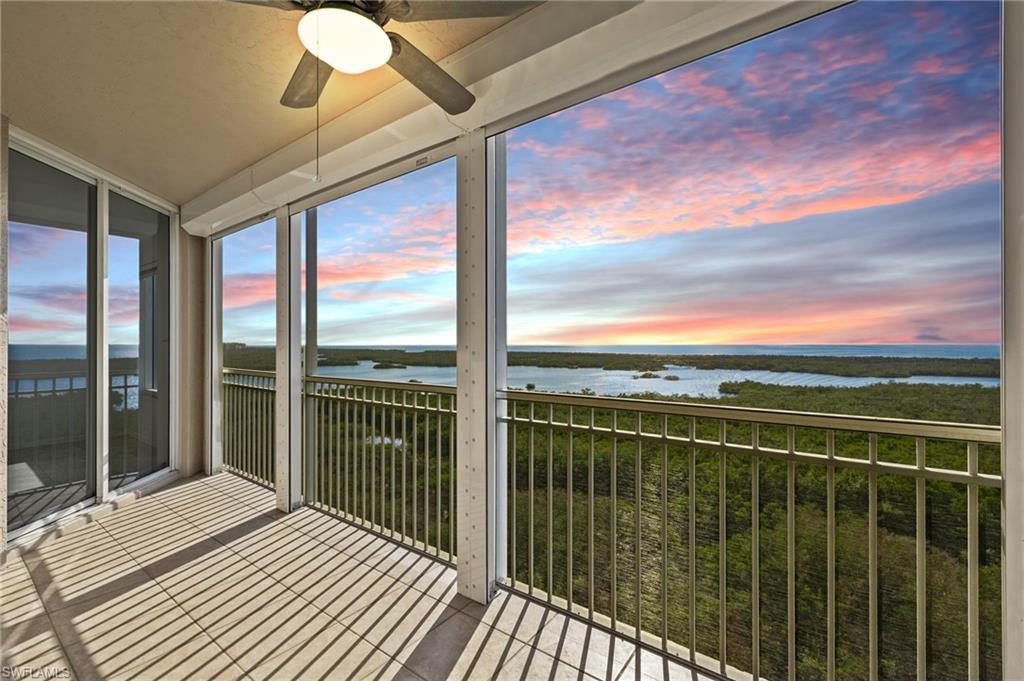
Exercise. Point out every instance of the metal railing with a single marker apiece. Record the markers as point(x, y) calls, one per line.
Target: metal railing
point(248, 424)
point(757, 543)
point(381, 454)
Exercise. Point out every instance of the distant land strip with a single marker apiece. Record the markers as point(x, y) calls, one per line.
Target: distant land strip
point(261, 357)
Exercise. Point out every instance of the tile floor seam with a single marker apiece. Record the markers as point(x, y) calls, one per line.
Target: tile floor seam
point(53, 629)
point(178, 604)
point(204, 480)
point(292, 591)
point(361, 562)
point(292, 532)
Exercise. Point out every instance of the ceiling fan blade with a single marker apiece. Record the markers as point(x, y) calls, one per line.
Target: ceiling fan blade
point(304, 88)
point(286, 5)
point(434, 10)
point(428, 77)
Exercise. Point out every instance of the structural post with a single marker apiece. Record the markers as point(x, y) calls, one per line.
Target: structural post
point(100, 357)
point(214, 460)
point(1013, 340)
point(312, 350)
point(475, 380)
point(287, 408)
point(496, 218)
point(4, 167)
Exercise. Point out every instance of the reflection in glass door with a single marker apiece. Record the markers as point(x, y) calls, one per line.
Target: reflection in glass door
point(138, 329)
point(52, 227)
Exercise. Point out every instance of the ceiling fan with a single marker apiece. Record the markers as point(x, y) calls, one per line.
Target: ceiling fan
point(349, 36)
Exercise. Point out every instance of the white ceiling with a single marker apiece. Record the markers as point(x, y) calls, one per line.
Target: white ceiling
point(176, 96)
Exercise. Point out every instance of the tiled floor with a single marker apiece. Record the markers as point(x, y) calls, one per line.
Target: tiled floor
point(205, 580)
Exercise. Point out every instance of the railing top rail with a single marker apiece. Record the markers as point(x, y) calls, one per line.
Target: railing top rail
point(387, 385)
point(248, 372)
point(869, 424)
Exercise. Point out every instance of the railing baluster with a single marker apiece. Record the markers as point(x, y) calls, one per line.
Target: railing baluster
point(830, 560)
point(452, 475)
point(415, 468)
point(347, 451)
point(394, 447)
point(791, 553)
point(437, 495)
point(614, 533)
point(362, 461)
point(405, 455)
point(549, 585)
point(568, 517)
point(426, 471)
point(514, 488)
point(722, 615)
point(332, 437)
point(973, 529)
point(529, 519)
point(664, 532)
point(873, 560)
point(755, 552)
point(637, 510)
point(320, 400)
point(590, 518)
point(692, 548)
point(920, 537)
point(373, 456)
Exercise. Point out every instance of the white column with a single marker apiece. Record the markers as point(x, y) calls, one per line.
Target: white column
point(475, 364)
point(101, 374)
point(496, 217)
point(312, 348)
point(1013, 340)
point(287, 408)
point(214, 460)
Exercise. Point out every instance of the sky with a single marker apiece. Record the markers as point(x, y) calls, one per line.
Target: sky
point(836, 181)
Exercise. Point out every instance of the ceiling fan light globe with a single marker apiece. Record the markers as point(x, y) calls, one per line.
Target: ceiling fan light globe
point(346, 39)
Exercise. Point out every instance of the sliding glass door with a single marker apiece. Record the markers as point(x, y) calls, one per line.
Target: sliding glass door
point(51, 385)
point(138, 328)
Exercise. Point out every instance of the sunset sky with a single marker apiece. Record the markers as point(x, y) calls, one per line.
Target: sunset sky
point(834, 182)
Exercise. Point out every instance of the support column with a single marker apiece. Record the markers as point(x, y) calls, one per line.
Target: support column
point(1013, 340)
point(287, 407)
point(496, 218)
point(312, 350)
point(214, 460)
point(100, 356)
point(476, 367)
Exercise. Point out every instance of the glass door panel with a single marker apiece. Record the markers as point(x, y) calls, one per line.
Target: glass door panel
point(138, 328)
point(50, 385)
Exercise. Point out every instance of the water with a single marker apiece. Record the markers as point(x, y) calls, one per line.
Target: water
point(18, 352)
point(694, 382)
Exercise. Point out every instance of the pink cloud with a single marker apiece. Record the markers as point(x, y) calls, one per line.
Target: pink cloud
point(933, 66)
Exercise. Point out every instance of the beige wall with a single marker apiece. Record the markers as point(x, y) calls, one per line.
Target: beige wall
point(192, 281)
point(3, 331)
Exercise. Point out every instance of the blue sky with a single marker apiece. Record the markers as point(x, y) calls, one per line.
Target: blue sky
point(834, 182)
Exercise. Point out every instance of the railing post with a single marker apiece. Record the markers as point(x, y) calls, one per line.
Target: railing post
point(1013, 340)
point(288, 375)
point(475, 364)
